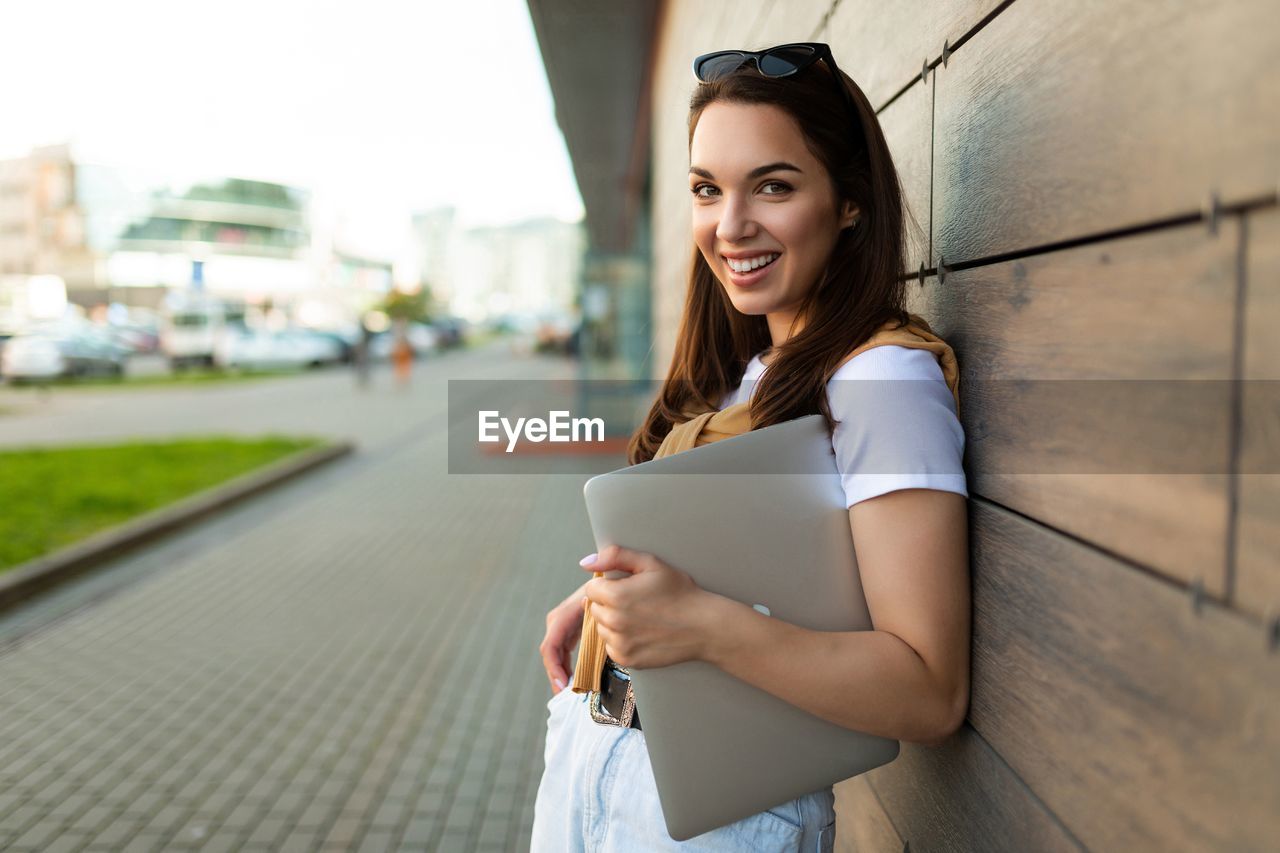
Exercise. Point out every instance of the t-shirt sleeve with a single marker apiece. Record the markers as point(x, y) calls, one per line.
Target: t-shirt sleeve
point(896, 424)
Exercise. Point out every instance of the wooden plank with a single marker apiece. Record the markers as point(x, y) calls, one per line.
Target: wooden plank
point(961, 796)
point(861, 823)
point(1155, 306)
point(795, 20)
point(922, 299)
point(1257, 588)
point(862, 826)
point(883, 46)
point(1141, 723)
point(907, 124)
point(1058, 120)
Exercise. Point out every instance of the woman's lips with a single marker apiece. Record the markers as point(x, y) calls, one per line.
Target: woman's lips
point(746, 279)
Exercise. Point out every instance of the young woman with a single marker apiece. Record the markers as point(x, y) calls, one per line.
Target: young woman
point(796, 286)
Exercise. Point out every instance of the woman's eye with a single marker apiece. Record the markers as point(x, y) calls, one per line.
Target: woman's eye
point(697, 190)
point(782, 188)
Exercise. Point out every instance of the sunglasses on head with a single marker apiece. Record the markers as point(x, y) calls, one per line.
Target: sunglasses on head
point(780, 61)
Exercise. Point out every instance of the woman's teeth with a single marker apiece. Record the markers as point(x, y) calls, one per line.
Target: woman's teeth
point(749, 264)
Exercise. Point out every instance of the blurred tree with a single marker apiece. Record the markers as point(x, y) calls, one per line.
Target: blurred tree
point(244, 191)
point(407, 306)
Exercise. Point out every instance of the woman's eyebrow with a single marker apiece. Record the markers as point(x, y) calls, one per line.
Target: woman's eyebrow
point(780, 166)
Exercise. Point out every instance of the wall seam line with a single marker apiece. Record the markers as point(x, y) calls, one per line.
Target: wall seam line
point(1178, 220)
point(1236, 433)
point(1225, 609)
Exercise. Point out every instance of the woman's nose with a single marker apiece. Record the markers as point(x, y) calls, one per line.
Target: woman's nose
point(735, 223)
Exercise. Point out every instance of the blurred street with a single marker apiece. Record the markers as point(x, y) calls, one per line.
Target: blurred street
point(347, 662)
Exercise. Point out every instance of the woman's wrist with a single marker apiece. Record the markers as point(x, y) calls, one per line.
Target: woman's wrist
point(715, 626)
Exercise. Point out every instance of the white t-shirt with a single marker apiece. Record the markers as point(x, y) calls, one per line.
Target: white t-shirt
point(902, 433)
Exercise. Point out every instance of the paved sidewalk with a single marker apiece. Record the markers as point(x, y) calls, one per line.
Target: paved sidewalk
point(346, 663)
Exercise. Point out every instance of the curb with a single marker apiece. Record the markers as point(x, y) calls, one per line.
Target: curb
point(34, 576)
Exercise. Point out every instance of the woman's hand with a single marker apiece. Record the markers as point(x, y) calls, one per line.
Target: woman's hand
point(564, 628)
point(656, 616)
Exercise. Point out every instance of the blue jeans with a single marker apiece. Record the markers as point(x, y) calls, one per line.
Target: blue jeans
point(597, 794)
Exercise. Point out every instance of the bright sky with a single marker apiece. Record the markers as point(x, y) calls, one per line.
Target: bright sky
point(379, 106)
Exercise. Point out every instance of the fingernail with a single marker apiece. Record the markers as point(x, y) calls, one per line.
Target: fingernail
point(588, 560)
point(559, 685)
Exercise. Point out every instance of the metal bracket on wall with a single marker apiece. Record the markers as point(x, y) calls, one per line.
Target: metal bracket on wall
point(924, 71)
point(1197, 595)
point(942, 270)
point(1213, 212)
point(946, 52)
point(922, 273)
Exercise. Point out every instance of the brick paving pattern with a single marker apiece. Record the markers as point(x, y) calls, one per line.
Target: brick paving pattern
point(346, 663)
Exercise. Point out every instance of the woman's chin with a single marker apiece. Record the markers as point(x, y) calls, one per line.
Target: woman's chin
point(749, 303)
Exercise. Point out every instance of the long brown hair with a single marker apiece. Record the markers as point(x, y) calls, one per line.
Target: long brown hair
point(860, 289)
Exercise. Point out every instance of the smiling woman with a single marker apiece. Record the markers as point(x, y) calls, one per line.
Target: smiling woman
point(747, 216)
point(795, 299)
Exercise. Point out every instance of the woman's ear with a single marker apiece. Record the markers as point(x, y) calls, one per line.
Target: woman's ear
point(849, 214)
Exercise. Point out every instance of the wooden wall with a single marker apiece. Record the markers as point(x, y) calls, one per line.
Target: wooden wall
point(1098, 183)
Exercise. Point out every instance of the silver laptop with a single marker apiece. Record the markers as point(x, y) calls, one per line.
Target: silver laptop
point(759, 518)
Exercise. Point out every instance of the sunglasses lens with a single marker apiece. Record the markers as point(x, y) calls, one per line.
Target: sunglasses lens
point(719, 65)
point(787, 60)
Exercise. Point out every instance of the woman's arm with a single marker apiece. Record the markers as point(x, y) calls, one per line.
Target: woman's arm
point(908, 678)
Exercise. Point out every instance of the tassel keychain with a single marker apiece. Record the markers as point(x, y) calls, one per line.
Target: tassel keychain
point(591, 652)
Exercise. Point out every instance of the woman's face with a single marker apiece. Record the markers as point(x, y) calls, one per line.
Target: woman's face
point(758, 193)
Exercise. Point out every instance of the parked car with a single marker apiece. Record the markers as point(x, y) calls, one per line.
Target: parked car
point(62, 349)
point(258, 349)
point(345, 342)
point(317, 348)
point(558, 332)
point(191, 329)
point(422, 338)
point(380, 346)
point(135, 338)
point(450, 331)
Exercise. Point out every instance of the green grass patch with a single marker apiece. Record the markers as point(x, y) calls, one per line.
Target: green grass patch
point(185, 378)
point(51, 497)
point(480, 337)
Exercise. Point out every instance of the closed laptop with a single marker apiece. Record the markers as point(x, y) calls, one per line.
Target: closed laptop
point(759, 518)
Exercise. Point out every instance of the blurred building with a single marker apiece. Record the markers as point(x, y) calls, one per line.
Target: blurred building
point(114, 238)
point(241, 238)
point(435, 241)
point(524, 268)
point(531, 267)
point(42, 223)
point(597, 57)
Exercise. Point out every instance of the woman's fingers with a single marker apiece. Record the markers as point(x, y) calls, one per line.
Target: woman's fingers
point(555, 660)
point(601, 592)
point(564, 628)
point(615, 645)
point(563, 672)
point(612, 558)
point(551, 663)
